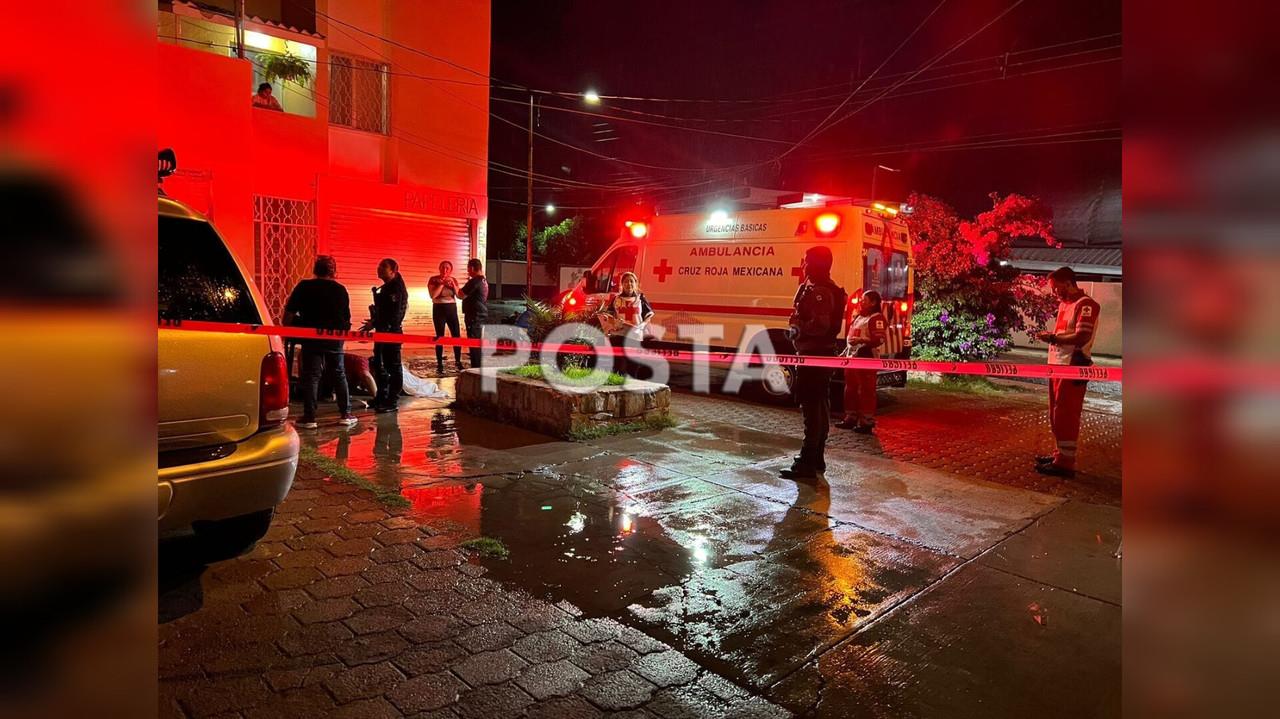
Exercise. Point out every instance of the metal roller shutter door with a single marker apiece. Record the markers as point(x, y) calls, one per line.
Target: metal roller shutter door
point(360, 237)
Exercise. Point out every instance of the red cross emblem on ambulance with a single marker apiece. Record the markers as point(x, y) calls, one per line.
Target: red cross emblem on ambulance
point(662, 269)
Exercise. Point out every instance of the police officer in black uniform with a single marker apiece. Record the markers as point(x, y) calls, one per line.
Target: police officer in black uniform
point(815, 324)
point(390, 302)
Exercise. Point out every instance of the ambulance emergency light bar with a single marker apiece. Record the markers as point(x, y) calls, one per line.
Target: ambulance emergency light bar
point(639, 230)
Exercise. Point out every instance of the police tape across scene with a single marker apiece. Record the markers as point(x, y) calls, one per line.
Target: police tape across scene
point(988, 369)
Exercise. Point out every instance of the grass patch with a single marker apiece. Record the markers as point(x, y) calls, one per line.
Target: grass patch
point(573, 375)
point(488, 546)
point(961, 383)
point(609, 430)
point(337, 471)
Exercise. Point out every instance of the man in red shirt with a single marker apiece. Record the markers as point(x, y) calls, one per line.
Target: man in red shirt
point(1070, 343)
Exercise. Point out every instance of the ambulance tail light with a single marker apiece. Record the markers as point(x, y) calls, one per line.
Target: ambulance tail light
point(827, 224)
point(574, 299)
point(903, 306)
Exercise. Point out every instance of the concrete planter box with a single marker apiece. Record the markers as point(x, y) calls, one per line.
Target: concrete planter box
point(536, 405)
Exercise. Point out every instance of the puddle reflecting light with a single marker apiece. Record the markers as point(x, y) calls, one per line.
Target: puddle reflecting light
point(546, 507)
point(700, 553)
point(577, 522)
point(628, 523)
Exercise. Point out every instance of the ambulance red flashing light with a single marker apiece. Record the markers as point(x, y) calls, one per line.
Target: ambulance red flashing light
point(902, 306)
point(827, 224)
point(638, 229)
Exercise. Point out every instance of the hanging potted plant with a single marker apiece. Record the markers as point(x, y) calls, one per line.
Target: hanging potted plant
point(287, 67)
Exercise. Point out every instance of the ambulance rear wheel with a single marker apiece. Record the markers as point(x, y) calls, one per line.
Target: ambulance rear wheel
point(777, 380)
point(774, 386)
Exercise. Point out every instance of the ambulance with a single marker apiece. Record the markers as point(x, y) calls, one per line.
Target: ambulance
point(741, 270)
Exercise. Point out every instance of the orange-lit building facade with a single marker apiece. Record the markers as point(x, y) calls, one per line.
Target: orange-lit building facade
point(380, 152)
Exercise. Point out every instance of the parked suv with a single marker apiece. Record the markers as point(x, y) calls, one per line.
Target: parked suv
point(226, 455)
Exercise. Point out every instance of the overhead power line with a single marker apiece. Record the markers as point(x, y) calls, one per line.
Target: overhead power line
point(818, 128)
point(938, 58)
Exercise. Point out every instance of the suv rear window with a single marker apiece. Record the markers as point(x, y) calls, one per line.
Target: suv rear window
point(198, 279)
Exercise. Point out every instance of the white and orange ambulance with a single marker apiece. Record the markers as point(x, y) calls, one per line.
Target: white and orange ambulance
point(740, 270)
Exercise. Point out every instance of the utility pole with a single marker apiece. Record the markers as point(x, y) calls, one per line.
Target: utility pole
point(240, 29)
point(528, 222)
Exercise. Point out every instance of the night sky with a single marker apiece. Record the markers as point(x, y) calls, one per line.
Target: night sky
point(1042, 120)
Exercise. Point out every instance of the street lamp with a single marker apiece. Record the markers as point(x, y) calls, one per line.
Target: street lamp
point(551, 209)
point(874, 170)
point(591, 97)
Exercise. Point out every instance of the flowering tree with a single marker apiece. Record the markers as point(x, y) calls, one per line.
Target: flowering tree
point(972, 300)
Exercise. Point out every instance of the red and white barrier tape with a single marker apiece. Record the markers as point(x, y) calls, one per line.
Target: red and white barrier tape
point(988, 369)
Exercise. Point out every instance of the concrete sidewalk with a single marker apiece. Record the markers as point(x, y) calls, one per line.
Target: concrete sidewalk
point(668, 573)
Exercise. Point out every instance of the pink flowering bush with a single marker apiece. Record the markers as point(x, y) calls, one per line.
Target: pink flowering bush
point(971, 299)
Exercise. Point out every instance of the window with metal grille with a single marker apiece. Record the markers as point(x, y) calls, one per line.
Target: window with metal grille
point(358, 93)
point(284, 244)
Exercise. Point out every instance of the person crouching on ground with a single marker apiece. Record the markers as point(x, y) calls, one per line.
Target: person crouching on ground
point(814, 327)
point(867, 331)
point(627, 314)
point(359, 377)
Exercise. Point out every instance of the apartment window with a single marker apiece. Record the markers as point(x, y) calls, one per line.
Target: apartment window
point(358, 93)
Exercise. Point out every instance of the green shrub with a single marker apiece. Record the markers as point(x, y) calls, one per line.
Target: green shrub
point(337, 471)
point(955, 334)
point(572, 374)
point(488, 546)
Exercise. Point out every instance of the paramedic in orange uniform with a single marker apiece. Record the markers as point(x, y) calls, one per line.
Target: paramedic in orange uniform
point(1070, 343)
point(867, 329)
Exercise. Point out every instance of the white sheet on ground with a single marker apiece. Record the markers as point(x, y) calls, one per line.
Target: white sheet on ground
point(419, 387)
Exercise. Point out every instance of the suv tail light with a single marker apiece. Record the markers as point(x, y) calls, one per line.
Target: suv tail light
point(273, 391)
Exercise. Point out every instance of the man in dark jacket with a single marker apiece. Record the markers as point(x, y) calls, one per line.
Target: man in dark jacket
point(322, 303)
point(390, 302)
point(815, 324)
point(475, 304)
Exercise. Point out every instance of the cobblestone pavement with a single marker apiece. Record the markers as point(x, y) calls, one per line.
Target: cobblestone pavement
point(660, 574)
point(987, 437)
point(348, 609)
